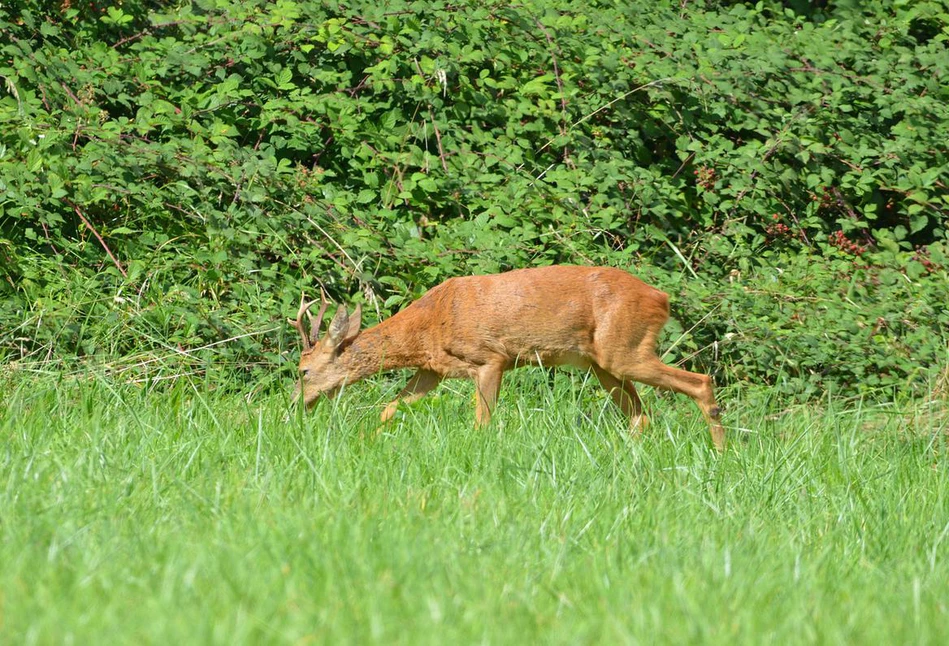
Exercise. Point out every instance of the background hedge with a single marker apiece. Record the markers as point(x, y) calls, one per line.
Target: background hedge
point(172, 174)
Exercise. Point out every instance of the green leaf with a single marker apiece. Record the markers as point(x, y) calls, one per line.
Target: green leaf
point(918, 222)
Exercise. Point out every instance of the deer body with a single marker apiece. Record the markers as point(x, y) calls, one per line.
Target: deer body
point(595, 318)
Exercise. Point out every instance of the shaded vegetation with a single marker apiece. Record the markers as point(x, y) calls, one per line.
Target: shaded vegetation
point(174, 173)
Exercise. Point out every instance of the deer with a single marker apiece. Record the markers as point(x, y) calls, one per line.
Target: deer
point(600, 319)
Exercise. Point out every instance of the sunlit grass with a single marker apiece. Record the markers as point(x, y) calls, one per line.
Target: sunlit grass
point(191, 515)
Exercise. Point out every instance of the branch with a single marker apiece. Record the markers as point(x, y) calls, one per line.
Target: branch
point(438, 139)
point(553, 57)
point(98, 237)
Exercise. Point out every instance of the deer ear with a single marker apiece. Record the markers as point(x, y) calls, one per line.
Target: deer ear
point(338, 327)
point(344, 327)
point(355, 322)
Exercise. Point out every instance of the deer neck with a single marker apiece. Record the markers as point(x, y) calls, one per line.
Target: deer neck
point(390, 345)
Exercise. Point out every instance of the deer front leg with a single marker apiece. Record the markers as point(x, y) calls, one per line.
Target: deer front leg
point(487, 387)
point(417, 387)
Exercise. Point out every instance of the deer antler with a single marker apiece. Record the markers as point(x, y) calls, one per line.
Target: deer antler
point(309, 340)
point(316, 322)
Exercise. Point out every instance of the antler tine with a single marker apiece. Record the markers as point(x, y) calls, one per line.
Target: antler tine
point(315, 322)
point(298, 323)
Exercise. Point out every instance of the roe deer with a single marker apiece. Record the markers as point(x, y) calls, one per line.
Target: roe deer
point(596, 318)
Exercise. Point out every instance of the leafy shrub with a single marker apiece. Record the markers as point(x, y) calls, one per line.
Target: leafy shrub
point(174, 175)
point(809, 323)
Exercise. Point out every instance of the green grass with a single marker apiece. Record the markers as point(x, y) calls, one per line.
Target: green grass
point(184, 515)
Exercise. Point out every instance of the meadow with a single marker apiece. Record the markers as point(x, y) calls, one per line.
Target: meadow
point(198, 514)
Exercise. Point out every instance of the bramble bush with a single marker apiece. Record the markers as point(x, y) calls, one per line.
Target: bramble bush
point(805, 323)
point(173, 174)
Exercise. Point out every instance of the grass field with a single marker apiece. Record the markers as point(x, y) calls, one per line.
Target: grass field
point(185, 515)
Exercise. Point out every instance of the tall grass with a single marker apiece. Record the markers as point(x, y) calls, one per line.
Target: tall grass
point(181, 514)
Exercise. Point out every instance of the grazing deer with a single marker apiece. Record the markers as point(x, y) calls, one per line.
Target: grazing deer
point(476, 327)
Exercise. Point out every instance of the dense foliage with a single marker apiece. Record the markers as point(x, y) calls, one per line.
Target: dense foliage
point(172, 174)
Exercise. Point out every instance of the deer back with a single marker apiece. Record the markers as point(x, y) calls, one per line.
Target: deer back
point(548, 315)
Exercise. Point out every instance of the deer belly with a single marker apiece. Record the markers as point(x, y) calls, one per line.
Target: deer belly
point(550, 359)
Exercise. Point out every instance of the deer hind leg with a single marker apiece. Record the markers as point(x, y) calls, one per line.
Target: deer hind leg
point(416, 388)
point(625, 397)
point(653, 372)
point(487, 386)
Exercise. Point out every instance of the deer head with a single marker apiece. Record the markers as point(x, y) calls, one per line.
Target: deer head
point(322, 370)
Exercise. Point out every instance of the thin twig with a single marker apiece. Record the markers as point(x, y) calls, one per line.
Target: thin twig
point(689, 331)
point(778, 140)
point(325, 234)
point(72, 95)
point(597, 111)
point(190, 352)
point(98, 237)
point(438, 138)
point(553, 56)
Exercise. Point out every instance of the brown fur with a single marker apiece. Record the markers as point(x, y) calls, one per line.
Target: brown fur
point(477, 327)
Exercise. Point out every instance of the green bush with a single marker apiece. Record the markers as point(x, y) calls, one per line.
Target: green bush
point(173, 175)
point(807, 324)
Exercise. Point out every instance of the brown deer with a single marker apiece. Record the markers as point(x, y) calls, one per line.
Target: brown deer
point(476, 327)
